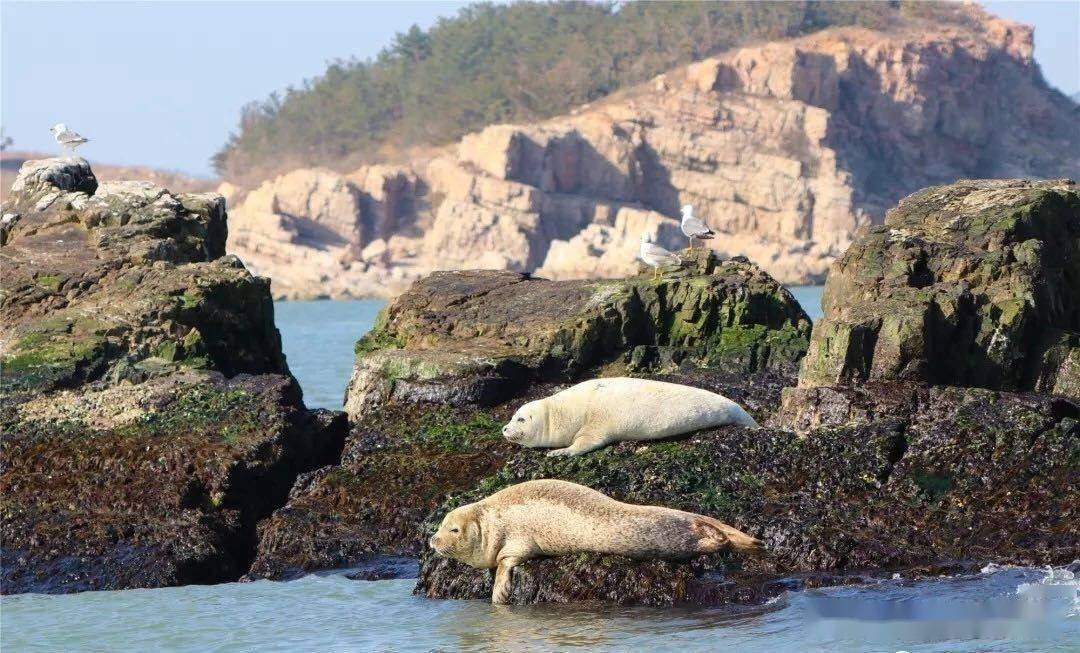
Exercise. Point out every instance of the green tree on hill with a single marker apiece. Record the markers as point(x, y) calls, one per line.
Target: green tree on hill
point(509, 62)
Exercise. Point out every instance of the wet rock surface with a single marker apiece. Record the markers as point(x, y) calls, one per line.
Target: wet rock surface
point(403, 460)
point(451, 360)
point(149, 416)
point(396, 468)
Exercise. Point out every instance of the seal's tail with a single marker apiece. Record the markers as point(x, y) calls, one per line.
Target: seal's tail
point(741, 417)
point(717, 535)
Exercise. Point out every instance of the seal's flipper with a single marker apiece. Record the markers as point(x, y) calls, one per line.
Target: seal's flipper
point(500, 593)
point(585, 441)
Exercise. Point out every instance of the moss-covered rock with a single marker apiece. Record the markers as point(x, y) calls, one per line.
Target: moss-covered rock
point(478, 337)
point(951, 474)
point(126, 283)
point(402, 461)
point(969, 284)
point(149, 417)
point(155, 484)
point(394, 471)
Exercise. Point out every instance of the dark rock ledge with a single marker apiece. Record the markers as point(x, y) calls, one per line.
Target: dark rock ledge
point(451, 359)
point(149, 419)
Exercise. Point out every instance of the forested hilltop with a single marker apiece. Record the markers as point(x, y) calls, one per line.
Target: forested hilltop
point(501, 63)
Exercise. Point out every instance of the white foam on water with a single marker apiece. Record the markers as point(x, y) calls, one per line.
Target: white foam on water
point(1059, 582)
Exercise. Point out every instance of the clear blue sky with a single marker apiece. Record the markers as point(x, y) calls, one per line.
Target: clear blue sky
point(162, 83)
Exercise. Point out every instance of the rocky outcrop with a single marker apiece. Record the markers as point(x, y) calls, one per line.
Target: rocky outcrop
point(149, 417)
point(481, 337)
point(785, 148)
point(931, 477)
point(12, 160)
point(451, 359)
point(970, 284)
point(875, 478)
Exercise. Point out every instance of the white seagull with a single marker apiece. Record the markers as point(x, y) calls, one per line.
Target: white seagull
point(655, 255)
point(67, 139)
point(694, 227)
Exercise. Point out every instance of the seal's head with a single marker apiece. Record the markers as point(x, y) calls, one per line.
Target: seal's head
point(458, 536)
point(528, 425)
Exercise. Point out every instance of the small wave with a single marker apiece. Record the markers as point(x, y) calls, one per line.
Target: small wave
point(991, 568)
point(1058, 580)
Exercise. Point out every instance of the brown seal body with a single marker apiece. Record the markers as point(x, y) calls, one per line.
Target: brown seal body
point(552, 517)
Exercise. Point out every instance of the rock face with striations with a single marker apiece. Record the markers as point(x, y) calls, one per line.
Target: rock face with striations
point(322, 234)
point(149, 417)
point(972, 284)
point(785, 148)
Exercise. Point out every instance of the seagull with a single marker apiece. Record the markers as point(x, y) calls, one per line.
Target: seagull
point(68, 139)
point(694, 227)
point(655, 255)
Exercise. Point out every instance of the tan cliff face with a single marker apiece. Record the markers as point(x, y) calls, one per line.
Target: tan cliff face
point(785, 149)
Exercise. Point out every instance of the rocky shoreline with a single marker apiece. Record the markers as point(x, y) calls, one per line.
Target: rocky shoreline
point(139, 455)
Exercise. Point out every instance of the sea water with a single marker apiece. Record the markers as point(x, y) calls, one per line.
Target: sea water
point(1000, 609)
point(318, 339)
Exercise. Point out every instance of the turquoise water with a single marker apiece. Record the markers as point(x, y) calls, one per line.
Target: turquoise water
point(809, 297)
point(998, 610)
point(318, 337)
point(1001, 609)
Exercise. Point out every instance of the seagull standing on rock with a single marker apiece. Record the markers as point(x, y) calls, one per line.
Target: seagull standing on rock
point(67, 139)
point(694, 227)
point(655, 255)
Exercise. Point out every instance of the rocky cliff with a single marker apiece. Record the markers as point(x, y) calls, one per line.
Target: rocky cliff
point(786, 148)
point(149, 417)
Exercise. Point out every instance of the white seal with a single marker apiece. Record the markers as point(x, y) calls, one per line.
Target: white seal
point(595, 413)
point(551, 518)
